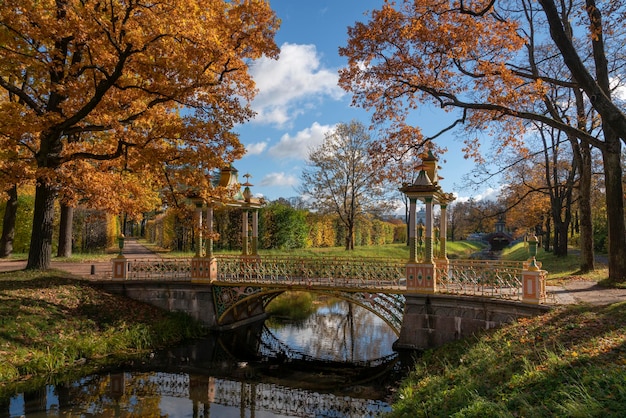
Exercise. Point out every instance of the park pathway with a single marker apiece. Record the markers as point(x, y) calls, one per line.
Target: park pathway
point(88, 269)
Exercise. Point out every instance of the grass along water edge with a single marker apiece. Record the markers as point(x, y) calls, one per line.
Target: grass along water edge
point(50, 323)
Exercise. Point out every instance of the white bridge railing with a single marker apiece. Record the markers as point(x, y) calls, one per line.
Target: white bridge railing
point(488, 278)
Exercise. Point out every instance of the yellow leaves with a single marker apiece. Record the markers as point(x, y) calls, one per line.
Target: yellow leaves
point(119, 89)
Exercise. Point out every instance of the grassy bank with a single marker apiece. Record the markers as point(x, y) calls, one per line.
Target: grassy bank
point(570, 362)
point(50, 323)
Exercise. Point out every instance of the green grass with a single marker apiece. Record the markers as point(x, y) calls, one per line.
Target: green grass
point(50, 324)
point(558, 268)
point(291, 305)
point(570, 362)
point(456, 249)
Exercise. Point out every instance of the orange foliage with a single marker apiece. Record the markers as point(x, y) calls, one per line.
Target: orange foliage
point(118, 80)
point(154, 87)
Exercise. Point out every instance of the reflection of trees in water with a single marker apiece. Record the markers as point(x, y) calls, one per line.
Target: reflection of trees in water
point(115, 394)
point(342, 331)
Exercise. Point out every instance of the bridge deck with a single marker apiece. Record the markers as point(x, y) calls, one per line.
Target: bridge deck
point(487, 278)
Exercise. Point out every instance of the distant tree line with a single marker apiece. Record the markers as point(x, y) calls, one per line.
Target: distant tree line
point(281, 226)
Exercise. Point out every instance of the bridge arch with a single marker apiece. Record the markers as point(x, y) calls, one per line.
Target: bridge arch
point(239, 303)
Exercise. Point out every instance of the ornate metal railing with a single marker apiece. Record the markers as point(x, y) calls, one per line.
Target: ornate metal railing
point(176, 269)
point(318, 271)
point(489, 278)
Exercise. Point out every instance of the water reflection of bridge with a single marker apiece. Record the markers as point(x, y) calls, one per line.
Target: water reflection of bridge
point(241, 371)
point(142, 393)
point(209, 392)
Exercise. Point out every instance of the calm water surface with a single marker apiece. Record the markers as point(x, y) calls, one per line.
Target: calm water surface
point(337, 363)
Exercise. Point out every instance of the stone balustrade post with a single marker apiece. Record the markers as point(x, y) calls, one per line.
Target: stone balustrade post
point(120, 268)
point(533, 277)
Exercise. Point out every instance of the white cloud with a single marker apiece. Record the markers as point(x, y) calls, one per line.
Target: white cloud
point(255, 149)
point(487, 194)
point(297, 147)
point(292, 83)
point(278, 179)
point(619, 89)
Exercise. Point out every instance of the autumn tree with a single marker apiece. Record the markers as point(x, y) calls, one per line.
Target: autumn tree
point(479, 58)
point(15, 171)
point(150, 82)
point(340, 179)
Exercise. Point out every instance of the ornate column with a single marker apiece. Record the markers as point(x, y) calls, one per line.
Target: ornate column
point(412, 230)
point(533, 278)
point(199, 243)
point(255, 232)
point(204, 269)
point(201, 266)
point(443, 233)
point(428, 252)
point(120, 263)
point(209, 226)
point(244, 234)
point(420, 274)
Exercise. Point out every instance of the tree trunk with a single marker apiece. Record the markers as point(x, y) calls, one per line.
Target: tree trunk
point(584, 207)
point(350, 237)
point(40, 252)
point(65, 231)
point(559, 241)
point(548, 234)
point(615, 212)
point(560, 232)
point(8, 223)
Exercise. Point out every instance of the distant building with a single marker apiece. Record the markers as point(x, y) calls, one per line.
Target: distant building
point(499, 239)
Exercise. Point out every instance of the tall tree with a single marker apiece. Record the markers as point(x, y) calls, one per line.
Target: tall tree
point(340, 178)
point(474, 57)
point(151, 81)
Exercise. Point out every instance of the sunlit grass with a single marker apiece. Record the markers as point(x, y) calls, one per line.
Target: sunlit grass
point(291, 305)
point(455, 249)
point(568, 362)
point(74, 258)
point(558, 268)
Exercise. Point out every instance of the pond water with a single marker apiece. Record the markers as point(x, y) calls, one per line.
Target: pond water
point(338, 362)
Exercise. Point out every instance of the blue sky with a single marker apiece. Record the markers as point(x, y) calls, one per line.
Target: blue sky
point(299, 100)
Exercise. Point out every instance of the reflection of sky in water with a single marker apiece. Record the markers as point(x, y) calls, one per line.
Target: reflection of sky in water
point(328, 334)
point(174, 407)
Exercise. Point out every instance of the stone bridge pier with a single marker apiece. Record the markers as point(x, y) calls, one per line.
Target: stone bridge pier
point(433, 320)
